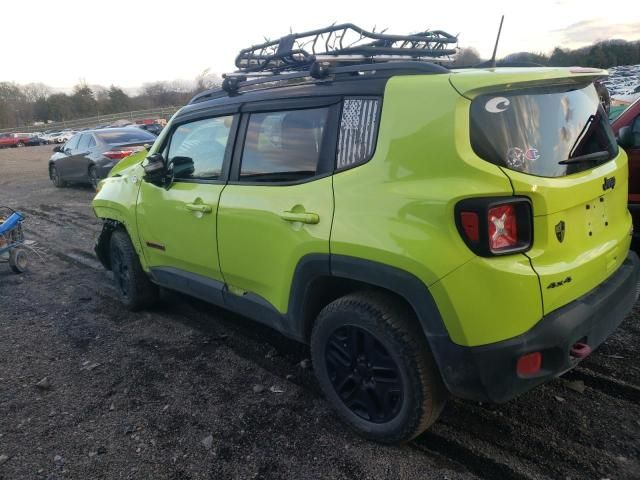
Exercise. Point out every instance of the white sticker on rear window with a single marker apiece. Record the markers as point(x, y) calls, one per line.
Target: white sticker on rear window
point(497, 105)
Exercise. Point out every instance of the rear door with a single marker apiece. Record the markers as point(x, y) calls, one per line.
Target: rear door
point(278, 205)
point(556, 146)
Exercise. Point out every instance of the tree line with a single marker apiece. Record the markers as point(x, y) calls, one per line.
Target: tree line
point(610, 53)
point(22, 105)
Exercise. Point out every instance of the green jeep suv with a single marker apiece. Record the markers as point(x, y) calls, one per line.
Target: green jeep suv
point(426, 230)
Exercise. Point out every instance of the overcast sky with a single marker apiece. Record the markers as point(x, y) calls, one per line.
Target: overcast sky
point(129, 42)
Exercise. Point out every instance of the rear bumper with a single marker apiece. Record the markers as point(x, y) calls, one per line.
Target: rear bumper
point(488, 372)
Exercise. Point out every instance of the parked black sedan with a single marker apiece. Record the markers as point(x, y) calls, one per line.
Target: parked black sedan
point(88, 156)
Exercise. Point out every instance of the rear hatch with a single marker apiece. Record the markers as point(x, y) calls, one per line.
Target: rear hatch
point(554, 142)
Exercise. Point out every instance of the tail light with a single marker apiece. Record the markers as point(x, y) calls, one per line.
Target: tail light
point(495, 226)
point(117, 154)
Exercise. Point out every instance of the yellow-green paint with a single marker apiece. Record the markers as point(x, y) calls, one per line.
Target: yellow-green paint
point(398, 210)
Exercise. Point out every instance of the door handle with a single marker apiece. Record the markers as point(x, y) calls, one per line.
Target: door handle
point(311, 218)
point(199, 207)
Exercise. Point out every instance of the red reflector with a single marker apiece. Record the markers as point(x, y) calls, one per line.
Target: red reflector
point(503, 230)
point(469, 221)
point(117, 154)
point(529, 364)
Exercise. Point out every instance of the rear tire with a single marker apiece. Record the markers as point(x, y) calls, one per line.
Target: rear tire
point(20, 145)
point(375, 367)
point(55, 177)
point(133, 286)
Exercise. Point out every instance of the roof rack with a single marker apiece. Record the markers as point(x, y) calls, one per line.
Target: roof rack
point(345, 44)
point(234, 82)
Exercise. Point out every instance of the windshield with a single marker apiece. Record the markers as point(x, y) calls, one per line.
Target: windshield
point(547, 133)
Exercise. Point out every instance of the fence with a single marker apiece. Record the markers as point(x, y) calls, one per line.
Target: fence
point(90, 122)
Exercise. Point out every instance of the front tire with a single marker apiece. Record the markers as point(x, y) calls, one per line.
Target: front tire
point(93, 177)
point(55, 177)
point(375, 367)
point(133, 286)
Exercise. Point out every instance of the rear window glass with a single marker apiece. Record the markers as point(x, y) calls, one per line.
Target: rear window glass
point(546, 133)
point(125, 136)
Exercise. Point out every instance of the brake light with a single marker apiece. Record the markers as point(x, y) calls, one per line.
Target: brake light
point(503, 227)
point(495, 226)
point(117, 154)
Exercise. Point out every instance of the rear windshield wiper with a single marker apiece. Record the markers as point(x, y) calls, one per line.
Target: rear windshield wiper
point(589, 157)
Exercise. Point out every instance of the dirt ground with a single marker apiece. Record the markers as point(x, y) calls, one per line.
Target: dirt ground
point(169, 393)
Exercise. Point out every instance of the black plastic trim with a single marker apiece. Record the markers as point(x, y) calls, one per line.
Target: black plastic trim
point(488, 372)
point(192, 284)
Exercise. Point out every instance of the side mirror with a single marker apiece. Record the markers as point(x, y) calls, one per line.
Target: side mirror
point(57, 148)
point(627, 139)
point(155, 170)
point(182, 167)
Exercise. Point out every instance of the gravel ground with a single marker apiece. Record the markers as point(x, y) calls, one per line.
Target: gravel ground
point(89, 390)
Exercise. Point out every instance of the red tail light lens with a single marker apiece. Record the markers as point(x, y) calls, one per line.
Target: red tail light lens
point(529, 364)
point(503, 227)
point(495, 226)
point(117, 154)
point(470, 225)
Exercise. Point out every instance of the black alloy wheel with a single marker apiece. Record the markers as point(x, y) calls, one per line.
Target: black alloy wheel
point(363, 374)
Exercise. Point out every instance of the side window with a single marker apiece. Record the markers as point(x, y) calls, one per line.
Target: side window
point(201, 146)
point(83, 144)
point(72, 145)
point(92, 142)
point(283, 146)
point(358, 131)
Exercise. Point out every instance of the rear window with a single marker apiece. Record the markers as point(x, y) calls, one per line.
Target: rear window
point(125, 136)
point(546, 133)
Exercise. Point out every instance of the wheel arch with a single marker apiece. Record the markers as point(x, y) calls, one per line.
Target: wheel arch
point(321, 279)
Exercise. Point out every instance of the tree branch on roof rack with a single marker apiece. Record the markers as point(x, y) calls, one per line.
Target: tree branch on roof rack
point(344, 44)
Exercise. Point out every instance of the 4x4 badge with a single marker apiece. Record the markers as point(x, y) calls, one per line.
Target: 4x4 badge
point(560, 231)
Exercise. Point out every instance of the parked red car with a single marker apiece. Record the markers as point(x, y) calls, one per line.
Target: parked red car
point(13, 139)
point(627, 130)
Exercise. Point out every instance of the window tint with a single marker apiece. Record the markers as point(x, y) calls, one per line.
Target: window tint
point(549, 133)
point(129, 135)
point(72, 144)
point(83, 145)
point(358, 128)
point(283, 146)
point(204, 142)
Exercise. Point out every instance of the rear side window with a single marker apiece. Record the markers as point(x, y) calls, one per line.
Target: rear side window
point(546, 133)
point(358, 131)
point(283, 146)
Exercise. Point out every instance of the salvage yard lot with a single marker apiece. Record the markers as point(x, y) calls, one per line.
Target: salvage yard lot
point(189, 391)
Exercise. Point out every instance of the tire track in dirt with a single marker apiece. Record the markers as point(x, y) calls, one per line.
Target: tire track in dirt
point(461, 436)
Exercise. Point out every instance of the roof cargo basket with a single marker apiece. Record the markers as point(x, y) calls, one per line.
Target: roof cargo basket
point(344, 44)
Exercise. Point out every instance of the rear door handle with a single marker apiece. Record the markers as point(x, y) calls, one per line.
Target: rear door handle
point(199, 207)
point(311, 218)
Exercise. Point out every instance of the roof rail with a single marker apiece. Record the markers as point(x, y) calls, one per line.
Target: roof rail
point(345, 43)
point(235, 81)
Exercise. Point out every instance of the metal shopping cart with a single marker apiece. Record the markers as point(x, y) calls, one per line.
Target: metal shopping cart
point(12, 239)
